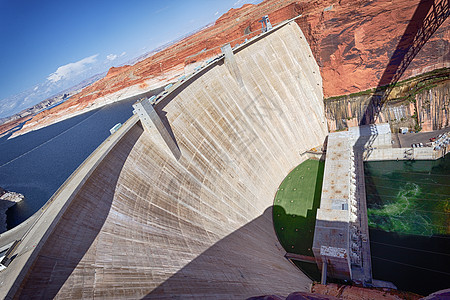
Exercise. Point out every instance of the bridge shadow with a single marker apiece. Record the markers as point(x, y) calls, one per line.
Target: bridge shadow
point(77, 229)
point(247, 262)
point(427, 18)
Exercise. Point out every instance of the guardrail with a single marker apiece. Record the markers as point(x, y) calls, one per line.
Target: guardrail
point(425, 153)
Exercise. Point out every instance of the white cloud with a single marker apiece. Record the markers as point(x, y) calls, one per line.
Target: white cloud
point(216, 13)
point(123, 53)
point(36, 88)
point(111, 57)
point(72, 69)
point(27, 100)
point(238, 3)
point(161, 10)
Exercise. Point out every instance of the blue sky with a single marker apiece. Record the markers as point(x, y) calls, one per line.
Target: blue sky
point(48, 45)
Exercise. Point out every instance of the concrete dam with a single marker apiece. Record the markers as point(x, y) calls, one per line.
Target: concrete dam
point(142, 219)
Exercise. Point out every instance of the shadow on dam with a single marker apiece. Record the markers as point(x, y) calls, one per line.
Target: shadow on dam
point(220, 271)
point(77, 230)
point(210, 273)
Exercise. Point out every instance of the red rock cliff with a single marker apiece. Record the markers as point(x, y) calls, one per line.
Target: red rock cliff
point(352, 42)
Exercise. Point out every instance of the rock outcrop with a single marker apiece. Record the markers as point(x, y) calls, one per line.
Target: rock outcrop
point(7, 199)
point(353, 42)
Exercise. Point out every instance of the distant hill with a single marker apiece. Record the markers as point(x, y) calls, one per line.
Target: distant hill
point(50, 101)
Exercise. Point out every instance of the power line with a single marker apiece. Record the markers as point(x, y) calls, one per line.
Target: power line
point(418, 223)
point(429, 211)
point(419, 173)
point(410, 234)
point(409, 265)
point(379, 207)
point(409, 181)
point(423, 199)
point(386, 187)
point(414, 249)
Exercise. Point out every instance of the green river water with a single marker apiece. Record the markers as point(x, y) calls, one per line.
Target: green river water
point(409, 222)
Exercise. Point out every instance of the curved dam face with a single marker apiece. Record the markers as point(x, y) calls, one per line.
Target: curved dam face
point(148, 224)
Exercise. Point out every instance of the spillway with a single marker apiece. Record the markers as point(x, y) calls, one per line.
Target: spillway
point(141, 222)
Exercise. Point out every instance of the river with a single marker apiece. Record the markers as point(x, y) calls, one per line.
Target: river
point(409, 223)
point(37, 163)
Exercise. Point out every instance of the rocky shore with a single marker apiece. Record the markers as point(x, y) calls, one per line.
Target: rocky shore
point(7, 199)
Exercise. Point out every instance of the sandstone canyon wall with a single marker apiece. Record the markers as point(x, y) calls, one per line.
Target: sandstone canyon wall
point(433, 107)
point(421, 103)
point(353, 41)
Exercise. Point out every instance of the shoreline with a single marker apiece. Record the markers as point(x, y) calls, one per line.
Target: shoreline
point(153, 86)
point(73, 112)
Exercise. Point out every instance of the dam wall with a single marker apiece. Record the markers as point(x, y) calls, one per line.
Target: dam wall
point(145, 223)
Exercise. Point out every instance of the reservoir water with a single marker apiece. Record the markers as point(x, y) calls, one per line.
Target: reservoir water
point(409, 223)
point(37, 163)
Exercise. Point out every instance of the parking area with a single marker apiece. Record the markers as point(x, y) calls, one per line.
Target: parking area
point(406, 140)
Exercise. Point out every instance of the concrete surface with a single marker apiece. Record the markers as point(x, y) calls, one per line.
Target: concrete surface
point(421, 137)
point(331, 235)
point(140, 223)
point(341, 236)
point(425, 153)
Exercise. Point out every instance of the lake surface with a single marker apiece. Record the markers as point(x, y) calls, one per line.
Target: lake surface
point(409, 223)
point(37, 163)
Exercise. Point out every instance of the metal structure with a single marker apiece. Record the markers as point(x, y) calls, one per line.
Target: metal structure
point(265, 23)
